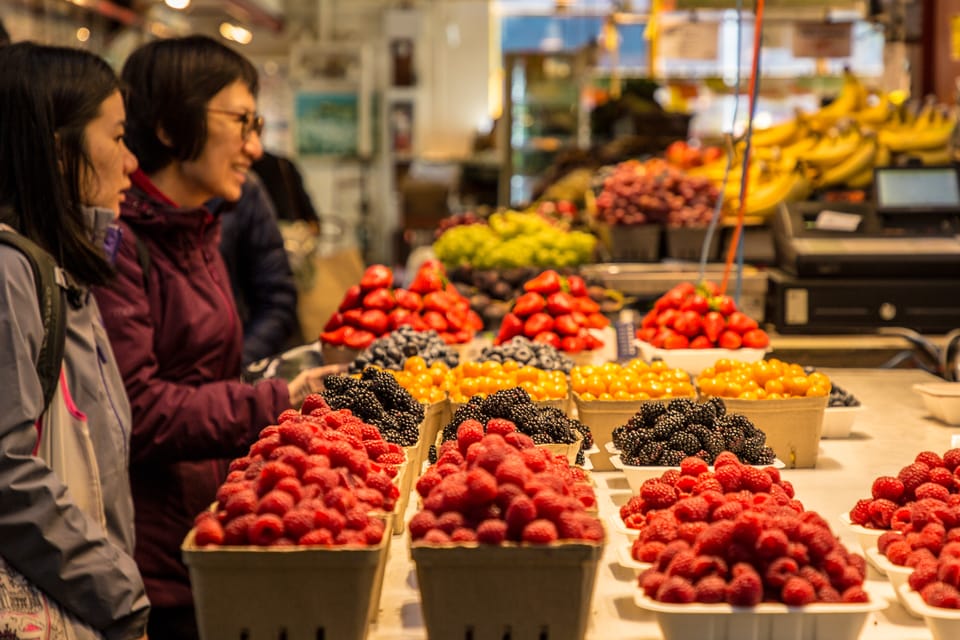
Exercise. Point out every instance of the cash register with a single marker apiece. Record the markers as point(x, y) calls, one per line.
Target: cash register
point(891, 261)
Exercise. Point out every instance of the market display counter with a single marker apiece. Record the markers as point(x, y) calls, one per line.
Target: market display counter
point(893, 428)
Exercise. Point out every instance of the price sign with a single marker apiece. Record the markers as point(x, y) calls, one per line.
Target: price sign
point(690, 41)
point(822, 39)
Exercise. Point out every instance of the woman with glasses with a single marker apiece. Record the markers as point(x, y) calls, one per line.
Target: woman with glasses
point(170, 314)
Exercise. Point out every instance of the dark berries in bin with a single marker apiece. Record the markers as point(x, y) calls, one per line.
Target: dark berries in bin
point(377, 398)
point(536, 354)
point(392, 350)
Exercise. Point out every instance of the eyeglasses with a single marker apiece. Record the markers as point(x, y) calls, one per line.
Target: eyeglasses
point(251, 122)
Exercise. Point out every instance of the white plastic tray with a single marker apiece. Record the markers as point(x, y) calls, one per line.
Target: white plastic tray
point(616, 523)
point(942, 400)
point(693, 361)
point(944, 624)
point(866, 537)
point(838, 421)
point(898, 576)
point(766, 621)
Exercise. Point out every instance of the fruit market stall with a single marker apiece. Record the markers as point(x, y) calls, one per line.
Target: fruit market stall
point(893, 428)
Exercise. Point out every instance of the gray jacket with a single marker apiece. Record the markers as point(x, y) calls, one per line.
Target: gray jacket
point(85, 568)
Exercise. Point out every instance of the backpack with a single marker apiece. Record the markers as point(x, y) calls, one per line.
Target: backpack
point(52, 289)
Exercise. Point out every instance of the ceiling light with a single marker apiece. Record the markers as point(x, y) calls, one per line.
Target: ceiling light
point(83, 34)
point(235, 33)
point(179, 5)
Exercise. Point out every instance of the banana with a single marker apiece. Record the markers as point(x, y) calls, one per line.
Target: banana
point(932, 157)
point(861, 180)
point(883, 158)
point(764, 196)
point(778, 135)
point(851, 99)
point(918, 137)
point(833, 148)
point(877, 114)
point(790, 155)
point(860, 160)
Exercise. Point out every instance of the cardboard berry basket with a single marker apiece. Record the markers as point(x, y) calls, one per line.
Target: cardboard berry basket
point(298, 593)
point(435, 416)
point(693, 361)
point(491, 592)
point(569, 451)
point(793, 426)
point(404, 481)
point(471, 350)
point(603, 416)
point(765, 621)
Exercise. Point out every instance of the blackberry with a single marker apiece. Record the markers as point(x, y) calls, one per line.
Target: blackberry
point(767, 456)
point(684, 441)
point(741, 421)
point(340, 384)
point(650, 411)
point(581, 457)
point(680, 405)
point(522, 415)
point(630, 442)
point(619, 433)
point(648, 454)
point(666, 425)
point(703, 413)
point(540, 438)
point(432, 454)
point(585, 432)
point(752, 450)
point(713, 444)
point(671, 458)
point(718, 406)
point(498, 404)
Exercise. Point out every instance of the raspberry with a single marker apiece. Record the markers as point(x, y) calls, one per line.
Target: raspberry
point(535, 458)
point(519, 440)
point(513, 470)
point(450, 522)
point(436, 536)
point(952, 548)
point(774, 474)
point(745, 589)
point(819, 541)
point(930, 459)
point(387, 458)
point(519, 514)
point(886, 538)
point(707, 483)
point(492, 531)
point(506, 493)
point(373, 532)
point(772, 543)
point(469, 432)
point(229, 488)
point(288, 415)
point(500, 426)
point(779, 571)
point(798, 551)
point(276, 502)
point(297, 434)
point(549, 504)
point(591, 529)
point(455, 495)
point(646, 551)
point(754, 479)
point(693, 509)
point(940, 594)
point(854, 594)
point(693, 466)
point(208, 531)
point(420, 523)
point(912, 476)
point(357, 518)
point(690, 531)
point(797, 592)
point(949, 571)
point(672, 549)
point(748, 526)
point(951, 459)
point(898, 551)
point(888, 488)
point(729, 476)
point(658, 495)
point(727, 511)
point(676, 590)
point(568, 526)
point(265, 529)
point(650, 581)
point(725, 458)
point(710, 590)
point(662, 529)
point(376, 448)
point(923, 574)
point(716, 539)
point(240, 503)
point(297, 522)
point(917, 556)
point(426, 482)
point(881, 513)
point(682, 564)
point(316, 538)
point(329, 519)
point(942, 476)
point(540, 531)
point(932, 490)
point(709, 565)
point(828, 594)
point(291, 486)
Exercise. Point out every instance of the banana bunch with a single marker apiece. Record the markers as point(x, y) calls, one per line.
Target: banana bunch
point(769, 187)
point(851, 99)
point(928, 136)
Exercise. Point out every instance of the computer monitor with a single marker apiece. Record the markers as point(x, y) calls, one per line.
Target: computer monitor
point(917, 189)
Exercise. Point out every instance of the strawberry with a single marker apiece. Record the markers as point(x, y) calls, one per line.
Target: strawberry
point(688, 323)
point(560, 303)
point(701, 342)
point(546, 283)
point(730, 340)
point(381, 299)
point(351, 299)
point(548, 337)
point(696, 303)
point(510, 326)
point(428, 278)
point(435, 321)
point(740, 322)
point(713, 324)
point(408, 300)
point(723, 305)
point(337, 337)
point(437, 301)
point(376, 276)
point(529, 304)
point(576, 286)
point(756, 339)
point(352, 318)
point(375, 321)
point(399, 317)
point(359, 340)
point(335, 322)
point(566, 325)
point(587, 305)
point(676, 341)
point(597, 321)
point(537, 323)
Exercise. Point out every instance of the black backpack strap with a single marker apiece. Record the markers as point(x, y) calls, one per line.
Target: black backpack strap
point(51, 286)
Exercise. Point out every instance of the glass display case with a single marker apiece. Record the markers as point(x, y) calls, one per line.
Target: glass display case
point(542, 117)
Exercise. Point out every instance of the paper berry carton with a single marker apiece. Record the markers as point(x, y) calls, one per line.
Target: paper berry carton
point(793, 426)
point(292, 592)
point(489, 592)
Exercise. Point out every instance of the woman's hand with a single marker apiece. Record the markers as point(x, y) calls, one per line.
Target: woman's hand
point(311, 381)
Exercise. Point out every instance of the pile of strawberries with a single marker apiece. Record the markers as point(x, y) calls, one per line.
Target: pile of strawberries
point(926, 484)
point(316, 478)
point(557, 311)
point(374, 307)
point(497, 487)
point(921, 509)
point(711, 542)
point(698, 317)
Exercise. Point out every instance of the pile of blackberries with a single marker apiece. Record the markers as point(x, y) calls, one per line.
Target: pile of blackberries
point(377, 398)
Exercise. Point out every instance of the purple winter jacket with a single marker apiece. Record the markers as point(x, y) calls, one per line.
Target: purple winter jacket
point(178, 345)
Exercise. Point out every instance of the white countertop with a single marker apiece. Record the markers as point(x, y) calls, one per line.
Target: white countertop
point(893, 428)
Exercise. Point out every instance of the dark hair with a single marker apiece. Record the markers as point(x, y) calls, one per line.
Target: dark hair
point(168, 86)
point(48, 95)
point(4, 35)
